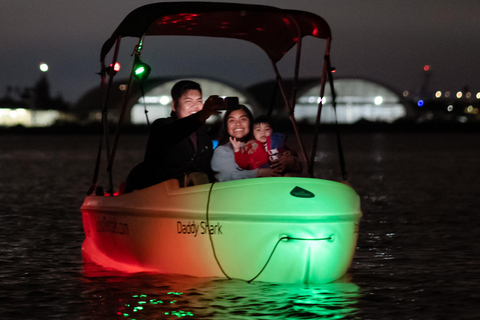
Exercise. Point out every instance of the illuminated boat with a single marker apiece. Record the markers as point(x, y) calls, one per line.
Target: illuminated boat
point(282, 229)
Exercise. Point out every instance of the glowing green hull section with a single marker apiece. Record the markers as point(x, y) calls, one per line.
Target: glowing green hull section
point(166, 229)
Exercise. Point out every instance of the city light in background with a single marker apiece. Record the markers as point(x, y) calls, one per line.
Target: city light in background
point(429, 79)
point(43, 67)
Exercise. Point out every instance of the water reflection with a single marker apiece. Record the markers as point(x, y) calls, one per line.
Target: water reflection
point(153, 296)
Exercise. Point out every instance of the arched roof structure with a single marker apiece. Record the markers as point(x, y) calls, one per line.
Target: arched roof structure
point(354, 93)
point(356, 99)
point(88, 107)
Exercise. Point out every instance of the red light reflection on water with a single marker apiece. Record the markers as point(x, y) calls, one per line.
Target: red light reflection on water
point(118, 295)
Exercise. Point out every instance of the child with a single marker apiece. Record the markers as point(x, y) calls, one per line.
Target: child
point(264, 149)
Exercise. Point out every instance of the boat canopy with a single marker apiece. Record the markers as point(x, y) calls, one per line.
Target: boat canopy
point(275, 30)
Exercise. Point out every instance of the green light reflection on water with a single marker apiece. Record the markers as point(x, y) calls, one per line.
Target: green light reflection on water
point(179, 313)
point(221, 299)
point(332, 301)
point(145, 307)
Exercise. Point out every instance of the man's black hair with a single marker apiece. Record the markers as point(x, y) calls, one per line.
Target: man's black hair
point(181, 87)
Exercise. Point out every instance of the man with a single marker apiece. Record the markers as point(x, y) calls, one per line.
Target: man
point(178, 145)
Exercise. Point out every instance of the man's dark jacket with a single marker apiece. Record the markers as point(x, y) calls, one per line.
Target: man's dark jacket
point(175, 147)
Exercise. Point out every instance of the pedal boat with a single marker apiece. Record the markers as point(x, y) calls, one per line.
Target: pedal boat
point(282, 229)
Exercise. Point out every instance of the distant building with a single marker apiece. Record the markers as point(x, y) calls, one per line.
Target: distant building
point(32, 118)
point(357, 99)
point(157, 99)
point(33, 107)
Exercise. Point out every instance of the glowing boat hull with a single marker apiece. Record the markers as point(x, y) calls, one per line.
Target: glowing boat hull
point(290, 230)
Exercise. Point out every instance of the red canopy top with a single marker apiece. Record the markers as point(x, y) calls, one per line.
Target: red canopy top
point(275, 30)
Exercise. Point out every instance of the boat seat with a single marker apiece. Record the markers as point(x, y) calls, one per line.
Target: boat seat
point(196, 178)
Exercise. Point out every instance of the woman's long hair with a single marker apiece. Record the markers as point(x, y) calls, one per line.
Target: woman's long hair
point(224, 136)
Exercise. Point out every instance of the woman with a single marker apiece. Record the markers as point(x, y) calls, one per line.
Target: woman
point(237, 126)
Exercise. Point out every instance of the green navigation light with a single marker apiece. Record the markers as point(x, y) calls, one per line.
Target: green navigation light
point(141, 70)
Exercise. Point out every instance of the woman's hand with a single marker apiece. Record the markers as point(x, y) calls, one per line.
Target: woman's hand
point(269, 172)
point(235, 144)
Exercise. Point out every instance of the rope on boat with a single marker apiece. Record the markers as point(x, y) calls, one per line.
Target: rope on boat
point(288, 238)
point(144, 104)
point(210, 235)
point(275, 247)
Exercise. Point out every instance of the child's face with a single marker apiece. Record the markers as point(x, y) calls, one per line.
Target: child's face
point(261, 131)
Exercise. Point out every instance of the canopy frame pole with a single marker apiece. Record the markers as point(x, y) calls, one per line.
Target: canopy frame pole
point(136, 53)
point(290, 112)
point(291, 105)
point(293, 97)
point(99, 151)
point(319, 108)
point(334, 104)
point(272, 101)
point(106, 130)
point(105, 93)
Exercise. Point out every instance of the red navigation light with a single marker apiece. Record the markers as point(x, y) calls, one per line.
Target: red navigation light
point(112, 69)
point(426, 67)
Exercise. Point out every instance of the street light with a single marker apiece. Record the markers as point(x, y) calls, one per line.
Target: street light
point(43, 67)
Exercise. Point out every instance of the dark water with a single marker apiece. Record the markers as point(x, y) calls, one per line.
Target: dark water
point(418, 254)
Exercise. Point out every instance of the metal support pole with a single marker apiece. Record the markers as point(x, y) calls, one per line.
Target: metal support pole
point(122, 112)
point(319, 110)
point(290, 113)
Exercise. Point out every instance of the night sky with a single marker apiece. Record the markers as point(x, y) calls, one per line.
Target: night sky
point(387, 41)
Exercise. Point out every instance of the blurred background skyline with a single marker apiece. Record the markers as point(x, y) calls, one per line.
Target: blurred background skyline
point(389, 42)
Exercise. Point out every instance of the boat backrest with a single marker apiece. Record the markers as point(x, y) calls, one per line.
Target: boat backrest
point(196, 178)
point(121, 188)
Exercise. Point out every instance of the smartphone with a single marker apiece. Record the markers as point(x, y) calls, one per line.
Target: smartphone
point(230, 103)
